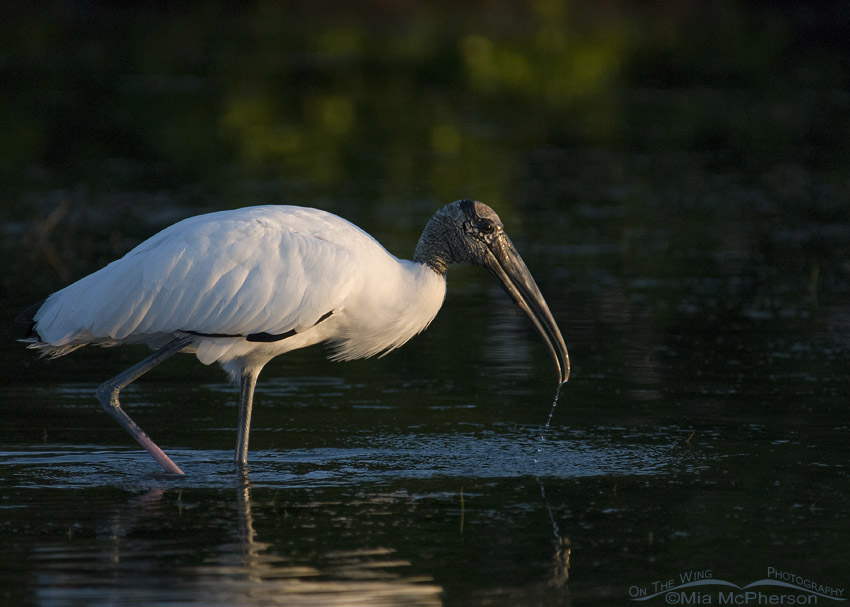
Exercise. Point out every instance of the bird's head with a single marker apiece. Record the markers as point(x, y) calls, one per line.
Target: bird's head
point(469, 231)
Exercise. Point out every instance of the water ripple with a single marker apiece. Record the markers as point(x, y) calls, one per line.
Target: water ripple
point(490, 454)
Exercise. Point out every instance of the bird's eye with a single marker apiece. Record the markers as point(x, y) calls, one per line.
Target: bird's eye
point(486, 226)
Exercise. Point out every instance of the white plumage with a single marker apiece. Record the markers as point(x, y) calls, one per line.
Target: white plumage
point(240, 287)
point(271, 269)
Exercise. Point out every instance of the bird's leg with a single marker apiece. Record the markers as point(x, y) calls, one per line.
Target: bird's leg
point(246, 401)
point(107, 394)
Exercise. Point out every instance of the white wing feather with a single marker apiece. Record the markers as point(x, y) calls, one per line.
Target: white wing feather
point(254, 270)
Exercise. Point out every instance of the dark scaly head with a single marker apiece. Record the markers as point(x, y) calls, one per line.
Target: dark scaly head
point(469, 231)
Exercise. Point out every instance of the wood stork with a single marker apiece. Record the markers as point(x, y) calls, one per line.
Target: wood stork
point(240, 287)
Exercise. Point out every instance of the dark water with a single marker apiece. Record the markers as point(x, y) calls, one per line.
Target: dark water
point(676, 180)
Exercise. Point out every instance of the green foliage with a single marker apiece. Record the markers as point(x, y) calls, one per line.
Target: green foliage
point(423, 95)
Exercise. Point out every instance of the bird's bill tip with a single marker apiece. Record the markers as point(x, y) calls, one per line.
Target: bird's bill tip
point(510, 270)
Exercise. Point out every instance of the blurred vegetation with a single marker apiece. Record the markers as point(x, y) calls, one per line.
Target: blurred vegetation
point(438, 95)
point(634, 125)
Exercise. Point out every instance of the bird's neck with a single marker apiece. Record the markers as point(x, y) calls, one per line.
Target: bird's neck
point(434, 248)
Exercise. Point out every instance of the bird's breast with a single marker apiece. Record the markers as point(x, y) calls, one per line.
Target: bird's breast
point(391, 306)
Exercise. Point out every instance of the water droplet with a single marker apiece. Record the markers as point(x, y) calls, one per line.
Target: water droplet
point(554, 404)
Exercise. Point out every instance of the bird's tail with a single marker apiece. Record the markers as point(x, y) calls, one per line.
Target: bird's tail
point(29, 334)
point(27, 319)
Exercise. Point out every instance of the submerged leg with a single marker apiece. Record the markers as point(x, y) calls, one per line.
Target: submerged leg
point(107, 394)
point(246, 401)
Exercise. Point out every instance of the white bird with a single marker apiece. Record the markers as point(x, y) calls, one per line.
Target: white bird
point(240, 287)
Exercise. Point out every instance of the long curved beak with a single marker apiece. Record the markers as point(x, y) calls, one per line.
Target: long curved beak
point(505, 263)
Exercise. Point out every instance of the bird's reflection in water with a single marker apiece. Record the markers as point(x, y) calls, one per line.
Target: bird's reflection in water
point(559, 574)
point(253, 574)
point(236, 567)
point(255, 559)
point(561, 563)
